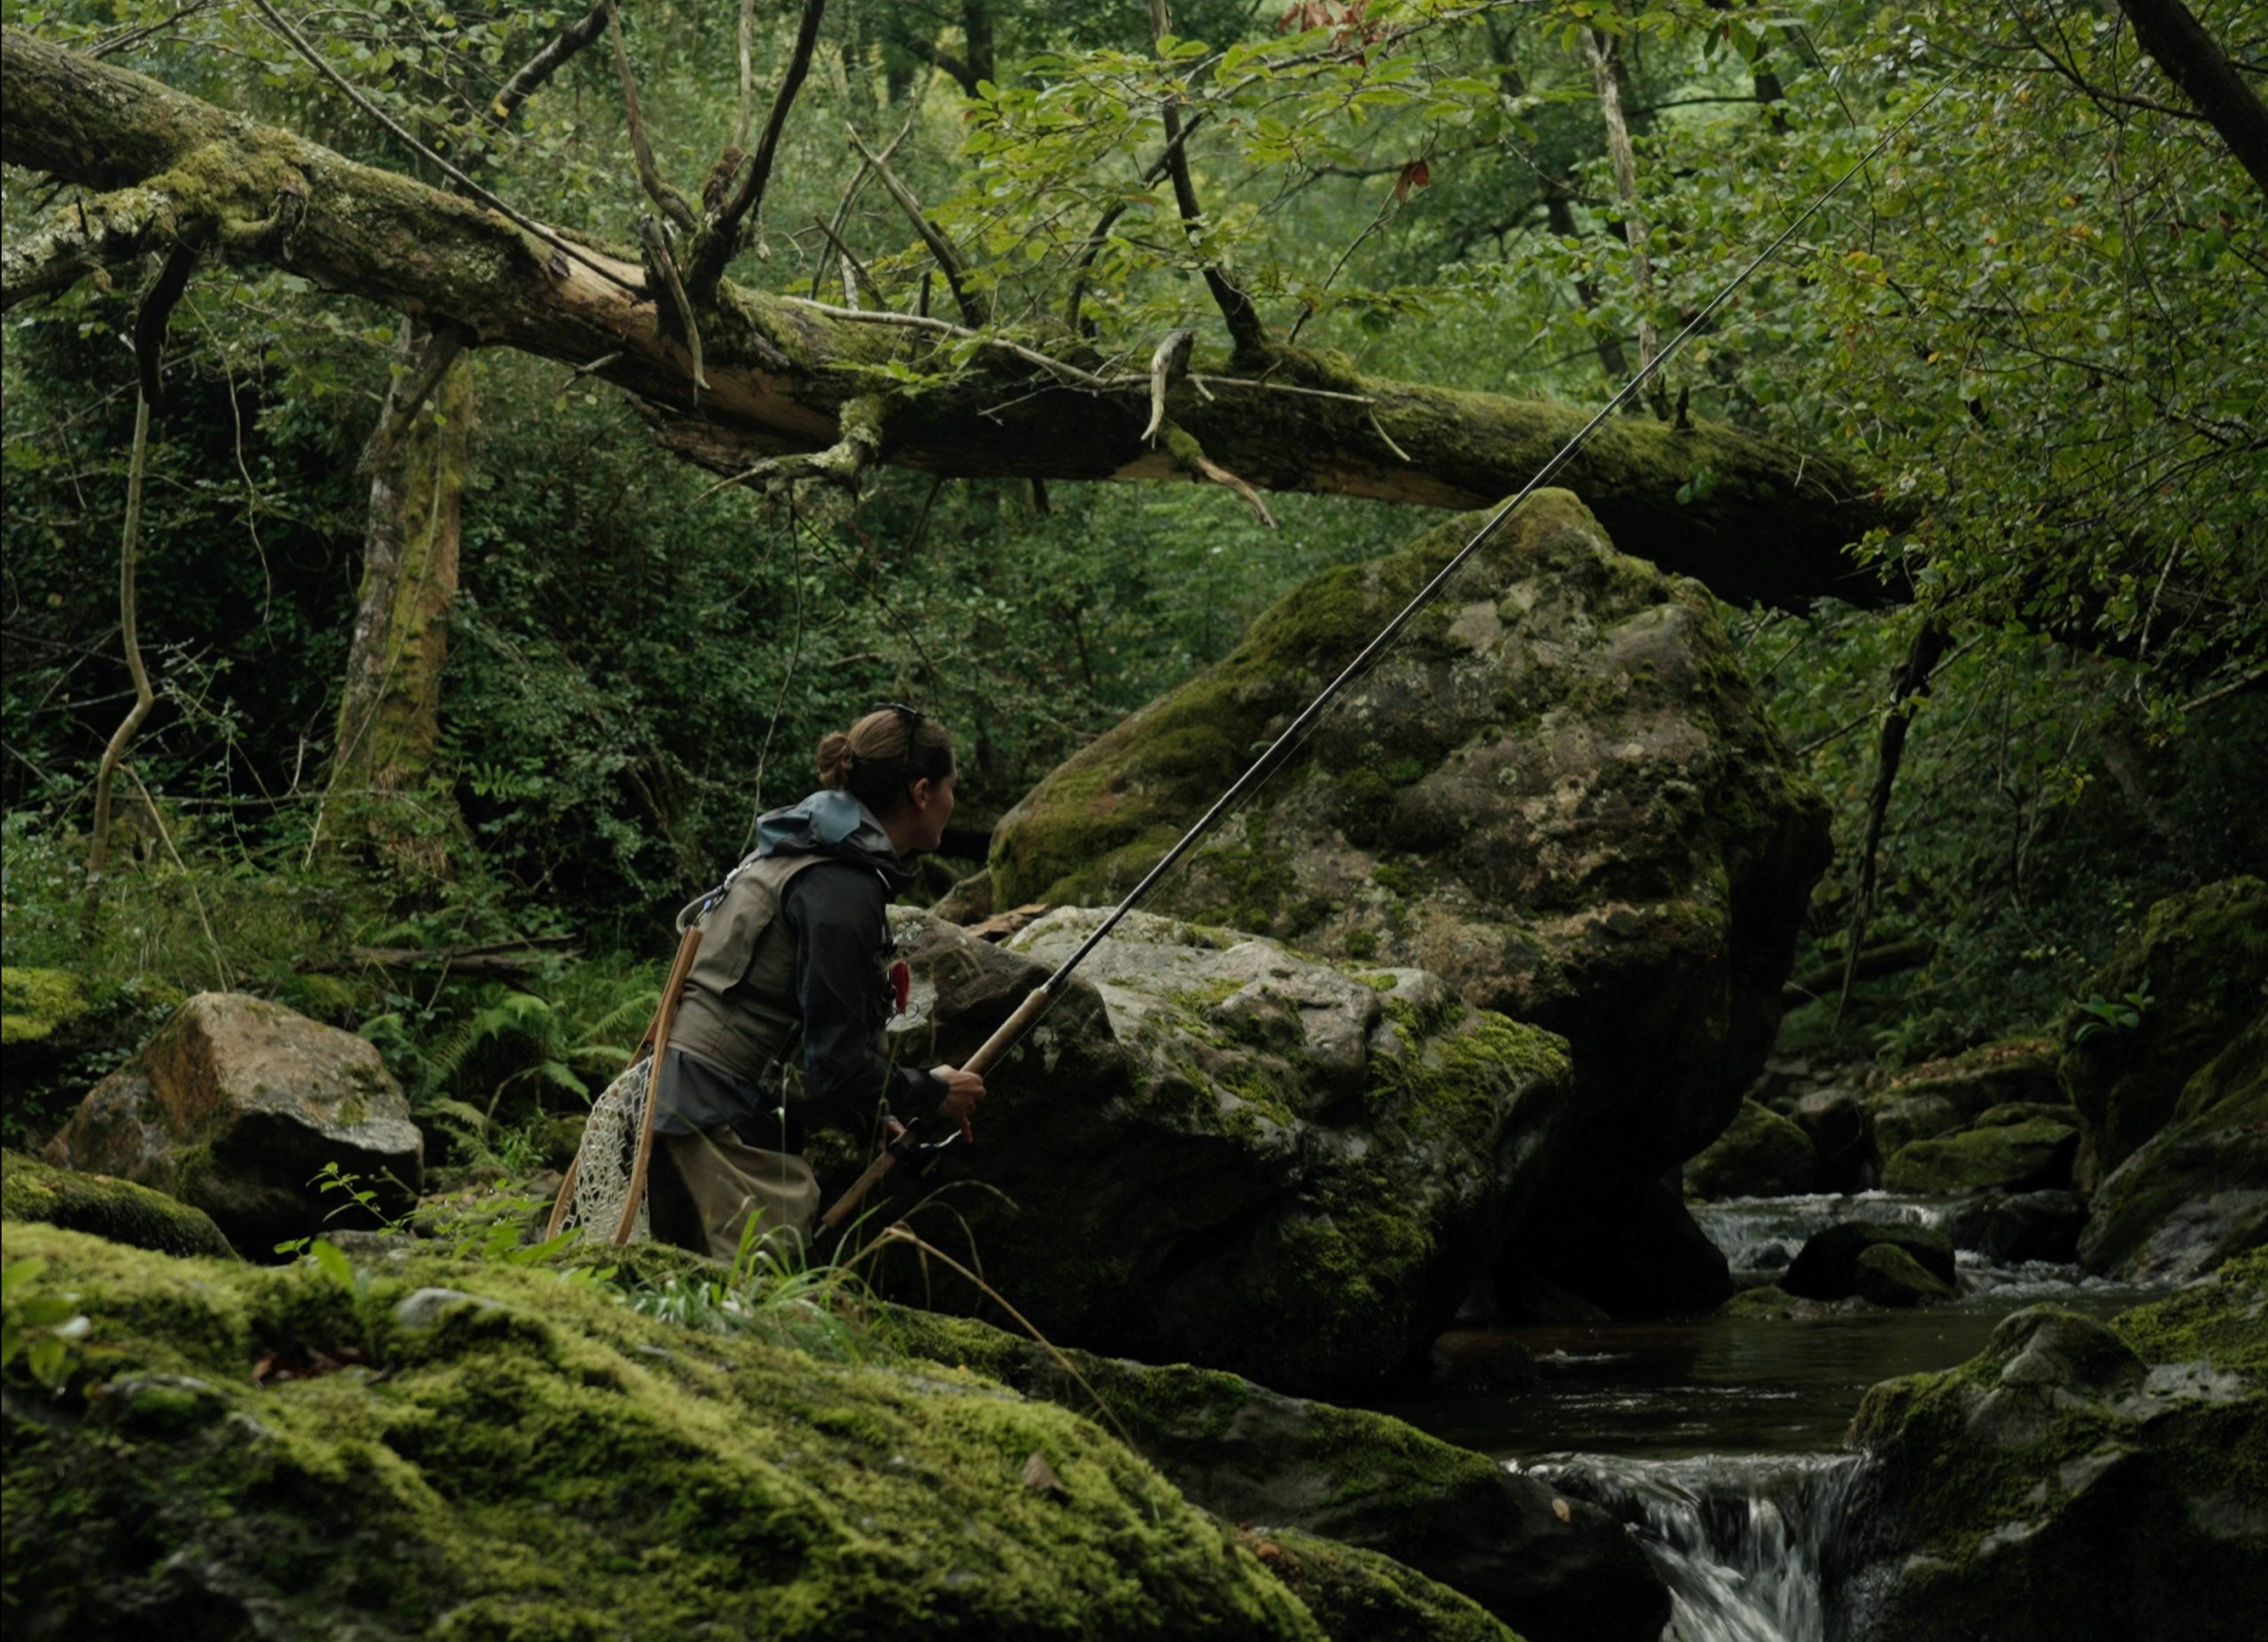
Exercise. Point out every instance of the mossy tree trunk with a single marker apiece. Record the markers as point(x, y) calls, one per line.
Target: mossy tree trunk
point(389, 718)
point(783, 372)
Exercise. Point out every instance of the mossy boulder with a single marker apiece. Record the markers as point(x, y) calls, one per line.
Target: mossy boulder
point(1827, 1266)
point(519, 1456)
point(60, 1034)
point(1887, 1275)
point(2197, 1191)
point(236, 1105)
point(2201, 961)
point(1557, 791)
point(2032, 1153)
point(1762, 1154)
point(1939, 1097)
point(1359, 1596)
point(1217, 1150)
point(1556, 1569)
point(2077, 1479)
point(97, 1203)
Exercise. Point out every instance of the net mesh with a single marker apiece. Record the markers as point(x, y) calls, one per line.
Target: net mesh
point(609, 1156)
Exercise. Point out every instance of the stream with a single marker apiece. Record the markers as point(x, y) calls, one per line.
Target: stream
point(1720, 1440)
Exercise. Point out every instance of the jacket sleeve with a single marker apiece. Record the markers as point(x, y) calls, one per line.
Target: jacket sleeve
point(836, 913)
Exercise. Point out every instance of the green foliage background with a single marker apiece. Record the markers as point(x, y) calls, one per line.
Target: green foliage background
point(2040, 319)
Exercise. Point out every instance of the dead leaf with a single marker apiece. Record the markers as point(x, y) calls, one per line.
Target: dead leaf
point(1417, 173)
point(1040, 1477)
point(1563, 1511)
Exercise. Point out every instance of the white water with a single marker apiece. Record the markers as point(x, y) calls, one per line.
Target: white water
point(1741, 1541)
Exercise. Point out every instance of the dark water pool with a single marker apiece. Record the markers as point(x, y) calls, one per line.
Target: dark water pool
point(1712, 1386)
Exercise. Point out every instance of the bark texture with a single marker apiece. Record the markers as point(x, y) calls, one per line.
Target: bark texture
point(781, 371)
point(389, 718)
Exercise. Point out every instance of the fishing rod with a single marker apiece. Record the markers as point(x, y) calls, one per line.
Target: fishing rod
point(904, 1145)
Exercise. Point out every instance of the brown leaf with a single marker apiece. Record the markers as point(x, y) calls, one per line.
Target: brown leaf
point(1562, 1510)
point(1417, 173)
point(1040, 1477)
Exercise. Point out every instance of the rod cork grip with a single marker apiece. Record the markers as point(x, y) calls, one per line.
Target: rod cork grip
point(1001, 1041)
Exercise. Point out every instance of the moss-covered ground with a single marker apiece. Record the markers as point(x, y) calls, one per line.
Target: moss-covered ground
point(539, 1461)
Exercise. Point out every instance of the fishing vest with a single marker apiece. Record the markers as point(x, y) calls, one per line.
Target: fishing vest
point(738, 1011)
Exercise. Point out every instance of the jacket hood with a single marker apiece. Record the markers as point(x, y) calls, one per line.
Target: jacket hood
point(832, 822)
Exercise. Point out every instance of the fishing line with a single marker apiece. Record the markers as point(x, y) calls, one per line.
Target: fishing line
point(1295, 734)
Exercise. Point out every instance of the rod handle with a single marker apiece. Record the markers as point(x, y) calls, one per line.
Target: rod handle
point(1000, 1042)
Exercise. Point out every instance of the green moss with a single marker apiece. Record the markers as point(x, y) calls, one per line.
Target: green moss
point(2222, 1319)
point(2027, 1156)
point(2201, 959)
point(34, 1002)
point(96, 1204)
point(1359, 1596)
point(556, 1465)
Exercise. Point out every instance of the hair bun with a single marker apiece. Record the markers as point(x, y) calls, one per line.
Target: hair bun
point(837, 759)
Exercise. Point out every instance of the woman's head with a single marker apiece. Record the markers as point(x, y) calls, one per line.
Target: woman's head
point(899, 765)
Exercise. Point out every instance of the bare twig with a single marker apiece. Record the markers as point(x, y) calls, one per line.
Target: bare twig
point(833, 231)
point(196, 899)
point(1063, 369)
point(670, 203)
point(1117, 209)
point(853, 270)
point(974, 307)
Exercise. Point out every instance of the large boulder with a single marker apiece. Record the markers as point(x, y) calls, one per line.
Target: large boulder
point(1216, 1150)
point(2197, 1191)
point(1628, 1246)
point(537, 1460)
point(1556, 1569)
point(96, 1204)
point(2200, 963)
point(237, 1107)
point(2077, 1479)
point(1557, 791)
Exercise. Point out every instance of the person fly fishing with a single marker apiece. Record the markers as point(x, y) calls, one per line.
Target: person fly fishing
point(797, 947)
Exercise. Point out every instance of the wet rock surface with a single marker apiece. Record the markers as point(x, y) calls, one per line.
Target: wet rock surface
point(236, 1105)
point(2078, 1479)
point(1556, 1569)
point(1762, 1154)
point(1217, 1150)
point(1827, 1267)
point(105, 1207)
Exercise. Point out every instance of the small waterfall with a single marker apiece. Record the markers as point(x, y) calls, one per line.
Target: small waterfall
point(1740, 1541)
point(1760, 1235)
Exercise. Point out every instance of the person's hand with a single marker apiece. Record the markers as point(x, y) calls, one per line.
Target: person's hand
point(889, 1137)
point(963, 1090)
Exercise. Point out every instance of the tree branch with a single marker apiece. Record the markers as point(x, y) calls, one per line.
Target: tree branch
point(1245, 329)
point(974, 307)
point(443, 342)
point(671, 203)
point(538, 70)
point(714, 246)
point(2194, 61)
point(781, 370)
